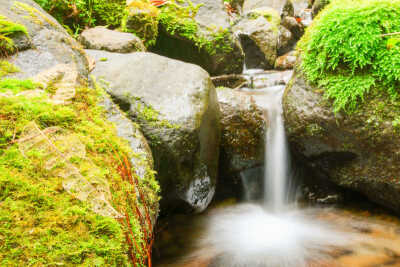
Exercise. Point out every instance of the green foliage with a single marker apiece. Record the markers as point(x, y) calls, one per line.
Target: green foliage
point(77, 14)
point(347, 53)
point(40, 223)
point(141, 18)
point(8, 28)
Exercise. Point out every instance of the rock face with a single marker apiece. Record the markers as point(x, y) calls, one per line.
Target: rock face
point(318, 6)
point(48, 44)
point(100, 38)
point(243, 130)
point(212, 45)
point(359, 151)
point(176, 105)
point(286, 41)
point(258, 31)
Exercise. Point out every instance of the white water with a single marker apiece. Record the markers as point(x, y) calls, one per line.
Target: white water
point(272, 233)
point(276, 156)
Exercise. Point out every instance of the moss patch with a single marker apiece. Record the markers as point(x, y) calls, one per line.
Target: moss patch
point(40, 223)
point(349, 50)
point(7, 29)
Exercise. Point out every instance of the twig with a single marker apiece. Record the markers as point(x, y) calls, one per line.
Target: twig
point(390, 34)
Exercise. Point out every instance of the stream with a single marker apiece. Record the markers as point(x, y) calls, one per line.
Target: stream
point(277, 231)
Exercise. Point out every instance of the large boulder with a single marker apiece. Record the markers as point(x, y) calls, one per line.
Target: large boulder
point(176, 106)
point(203, 38)
point(101, 38)
point(242, 138)
point(47, 43)
point(359, 151)
point(259, 33)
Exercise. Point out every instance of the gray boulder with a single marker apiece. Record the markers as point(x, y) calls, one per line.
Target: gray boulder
point(359, 151)
point(243, 130)
point(258, 31)
point(176, 106)
point(286, 41)
point(212, 45)
point(47, 44)
point(101, 38)
point(242, 145)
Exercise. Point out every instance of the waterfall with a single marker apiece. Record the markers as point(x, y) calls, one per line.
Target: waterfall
point(276, 156)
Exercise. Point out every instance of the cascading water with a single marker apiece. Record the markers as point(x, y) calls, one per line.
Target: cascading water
point(272, 233)
point(276, 156)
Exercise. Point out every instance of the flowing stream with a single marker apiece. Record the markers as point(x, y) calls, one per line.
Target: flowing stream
point(275, 232)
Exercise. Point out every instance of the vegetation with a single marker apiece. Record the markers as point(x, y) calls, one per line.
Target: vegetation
point(350, 50)
point(8, 28)
point(78, 14)
point(43, 224)
point(141, 18)
point(179, 21)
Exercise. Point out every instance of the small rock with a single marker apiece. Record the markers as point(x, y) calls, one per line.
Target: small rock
point(294, 26)
point(286, 41)
point(286, 61)
point(100, 38)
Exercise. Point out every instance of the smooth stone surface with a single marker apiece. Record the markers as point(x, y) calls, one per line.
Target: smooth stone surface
point(176, 106)
point(101, 38)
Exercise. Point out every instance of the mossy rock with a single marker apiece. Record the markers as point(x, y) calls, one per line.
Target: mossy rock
point(358, 151)
point(200, 33)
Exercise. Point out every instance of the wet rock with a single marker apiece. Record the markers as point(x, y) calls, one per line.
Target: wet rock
point(286, 41)
point(176, 106)
point(101, 38)
point(286, 61)
point(243, 130)
point(258, 31)
point(318, 6)
point(295, 27)
point(288, 9)
point(142, 161)
point(359, 151)
point(254, 4)
point(48, 44)
point(213, 46)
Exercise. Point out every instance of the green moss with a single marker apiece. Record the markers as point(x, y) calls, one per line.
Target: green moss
point(40, 223)
point(347, 53)
point(16, 85)
point(79, 14)
point(7, 29)
point(179, 21)
point(7, 68)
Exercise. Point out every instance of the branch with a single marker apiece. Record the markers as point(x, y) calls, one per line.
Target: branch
point(390, 34)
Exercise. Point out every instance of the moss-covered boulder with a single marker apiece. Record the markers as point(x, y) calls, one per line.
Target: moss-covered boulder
point(176, 105)
point(199, 32)
point(341, 107)
point(259, 33)
point(65, 173)
point(46, 43)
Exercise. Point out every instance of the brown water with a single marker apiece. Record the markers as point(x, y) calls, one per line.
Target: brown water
point(373, 239)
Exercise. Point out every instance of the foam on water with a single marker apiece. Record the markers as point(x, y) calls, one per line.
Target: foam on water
point(248, 235)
